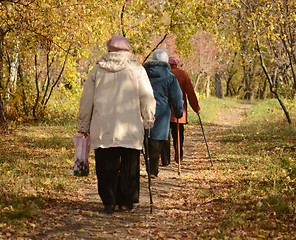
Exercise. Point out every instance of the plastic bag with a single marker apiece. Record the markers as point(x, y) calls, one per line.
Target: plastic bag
point(82, 147)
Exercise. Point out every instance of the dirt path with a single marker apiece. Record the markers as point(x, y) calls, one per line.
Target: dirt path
point(234, 116)
point(183, 205)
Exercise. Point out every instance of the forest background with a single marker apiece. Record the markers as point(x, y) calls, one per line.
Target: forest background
point(239, 48)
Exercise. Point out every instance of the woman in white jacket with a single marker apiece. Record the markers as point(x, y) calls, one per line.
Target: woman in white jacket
point(117, 103)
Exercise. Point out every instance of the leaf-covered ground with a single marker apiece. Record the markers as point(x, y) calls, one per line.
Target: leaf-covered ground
point(195, 205)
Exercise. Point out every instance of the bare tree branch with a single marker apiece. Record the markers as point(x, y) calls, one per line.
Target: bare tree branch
point(271, 85)
point(122, 19)
point(171, 25)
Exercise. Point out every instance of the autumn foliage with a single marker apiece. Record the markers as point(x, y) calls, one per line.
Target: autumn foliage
point(247, 47)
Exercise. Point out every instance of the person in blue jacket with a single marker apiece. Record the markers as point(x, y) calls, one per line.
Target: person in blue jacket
point(167, 93)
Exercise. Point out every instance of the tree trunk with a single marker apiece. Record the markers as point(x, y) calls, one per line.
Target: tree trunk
point(3, 121)
point(197, 81)
point(23, 84)
point(37, 89)
point(248, 88)
point(58, 78)
point(262, 91)
point(219, 87)
point(228, 89)
point(228, 82)
point(208, 87)
point(271, 86)
point(12, 79)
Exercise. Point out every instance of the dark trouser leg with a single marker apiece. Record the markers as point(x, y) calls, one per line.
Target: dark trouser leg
point(154, 152)
point(129, 177)
point(175, 138)
point(107, 169)
point(166, 152)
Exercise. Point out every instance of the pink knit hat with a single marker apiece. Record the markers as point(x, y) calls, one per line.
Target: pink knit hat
point(174, 60)
point(118, 44)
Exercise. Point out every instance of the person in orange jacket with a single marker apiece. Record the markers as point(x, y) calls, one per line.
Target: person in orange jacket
point(188, 93)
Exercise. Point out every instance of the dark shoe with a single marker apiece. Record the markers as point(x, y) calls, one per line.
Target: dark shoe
point(153, 175)
point(109, 209)
point(125, 207)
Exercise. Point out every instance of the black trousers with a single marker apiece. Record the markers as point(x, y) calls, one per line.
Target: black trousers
point(118, 174)
point(155, 148)
point(175, 138)
point(165, 154)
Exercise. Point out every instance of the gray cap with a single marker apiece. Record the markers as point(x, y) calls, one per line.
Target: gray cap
point(160, 55)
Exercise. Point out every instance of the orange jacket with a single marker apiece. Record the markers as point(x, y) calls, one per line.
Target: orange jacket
point(188, 92)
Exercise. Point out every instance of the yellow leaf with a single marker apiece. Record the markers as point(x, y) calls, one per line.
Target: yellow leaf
point(70, 161)
point(48, 181)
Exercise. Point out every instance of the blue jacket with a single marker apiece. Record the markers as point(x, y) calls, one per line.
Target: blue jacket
point(167, 92)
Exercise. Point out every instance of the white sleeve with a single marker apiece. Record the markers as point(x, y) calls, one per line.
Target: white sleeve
point(147, 100)
point(86, 103)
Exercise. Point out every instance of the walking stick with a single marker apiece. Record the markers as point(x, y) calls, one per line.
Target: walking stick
point(147, 161)
point(205, 139)
point(178, 147)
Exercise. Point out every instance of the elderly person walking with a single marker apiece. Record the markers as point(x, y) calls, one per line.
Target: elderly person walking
point(117, 103)
point(167, 92)
point(188, 94)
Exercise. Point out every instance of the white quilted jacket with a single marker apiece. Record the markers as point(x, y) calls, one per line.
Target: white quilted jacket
point(117, 102)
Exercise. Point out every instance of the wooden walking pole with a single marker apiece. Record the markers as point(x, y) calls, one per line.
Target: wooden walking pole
point(178, 147)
